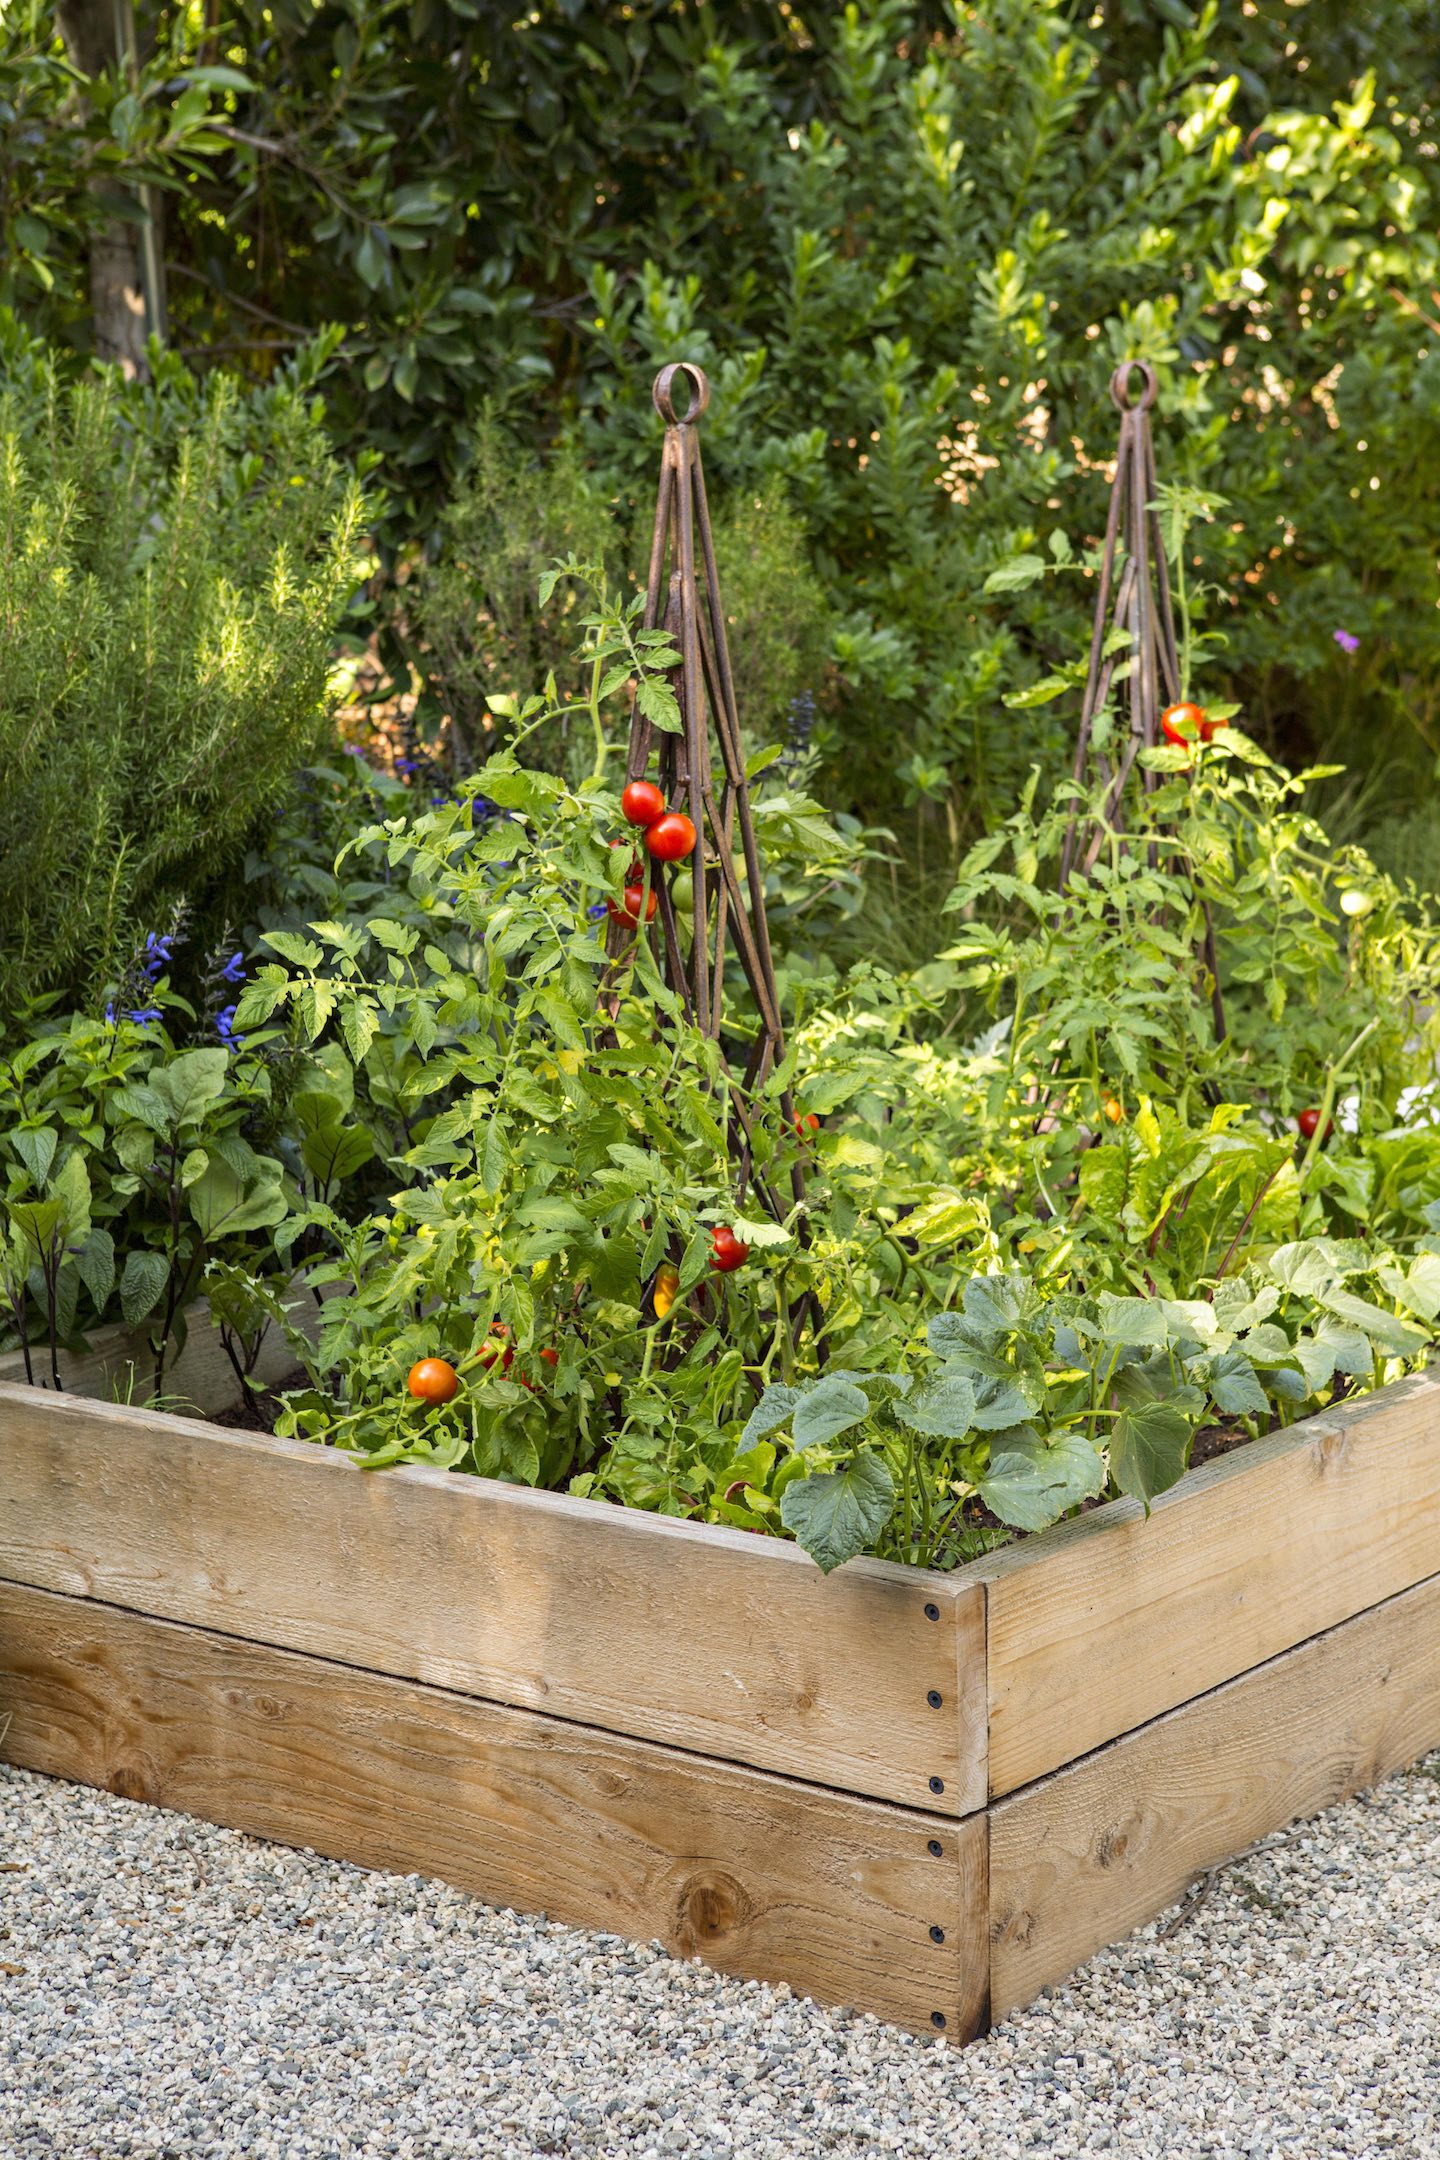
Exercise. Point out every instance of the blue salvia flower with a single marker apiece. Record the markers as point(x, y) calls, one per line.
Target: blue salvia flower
point(157, 954)
point(234, 969)
point(225, 1027)
point(142, 1015)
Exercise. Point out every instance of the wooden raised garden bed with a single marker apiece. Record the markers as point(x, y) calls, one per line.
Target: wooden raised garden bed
point(923, 1795)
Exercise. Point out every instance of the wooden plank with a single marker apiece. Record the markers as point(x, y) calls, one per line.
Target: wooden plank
point(117, 1367)
point(1103, 1624)
point(1084, 1857)
point(731, 1645)
point(755, 1875)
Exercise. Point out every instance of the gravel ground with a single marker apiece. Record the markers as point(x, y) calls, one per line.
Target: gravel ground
point(168, 1988)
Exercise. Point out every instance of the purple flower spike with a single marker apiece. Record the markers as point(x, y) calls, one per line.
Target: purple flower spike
point(1346, 641)
point(225, 1028)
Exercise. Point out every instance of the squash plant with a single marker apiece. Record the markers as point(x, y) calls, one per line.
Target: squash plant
point(1028, 1407)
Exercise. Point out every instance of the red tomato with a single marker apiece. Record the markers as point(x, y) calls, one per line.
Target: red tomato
point(1186, 723)
point(805, 1122)
point(549, 1357)
point(671, 837)
point(642, 802)
point(726, 1251)
point(1308, 1122)
point(433, 1381)
point(630, 911)
point(499, 1350)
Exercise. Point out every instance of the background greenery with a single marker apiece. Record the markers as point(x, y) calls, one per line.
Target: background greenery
point(909, 240)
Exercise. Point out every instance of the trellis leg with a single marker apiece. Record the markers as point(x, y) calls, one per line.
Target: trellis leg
point(682, 551)
point(1142, 606)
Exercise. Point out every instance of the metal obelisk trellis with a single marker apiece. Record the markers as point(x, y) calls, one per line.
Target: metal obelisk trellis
point(1137, 602)
point(686, 600)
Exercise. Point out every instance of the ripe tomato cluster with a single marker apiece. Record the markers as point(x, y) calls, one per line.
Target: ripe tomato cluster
point(669, 835)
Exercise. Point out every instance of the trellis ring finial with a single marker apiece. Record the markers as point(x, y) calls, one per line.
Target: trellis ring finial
point(1120, 385)
point(664, 403)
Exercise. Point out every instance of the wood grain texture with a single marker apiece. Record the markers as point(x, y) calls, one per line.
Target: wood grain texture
point(1084, 1857)
point(118, 1367)
point(733, 1646)
point(753, 1874)
point(1106, 1622)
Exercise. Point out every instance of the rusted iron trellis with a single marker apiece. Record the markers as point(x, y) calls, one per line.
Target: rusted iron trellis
point(1137, 601)
point(683, 594)
point(1133, 598)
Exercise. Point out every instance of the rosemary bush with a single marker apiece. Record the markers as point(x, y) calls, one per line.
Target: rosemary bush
point(173, 562)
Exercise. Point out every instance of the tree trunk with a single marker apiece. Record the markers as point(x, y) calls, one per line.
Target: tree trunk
point(117, 285)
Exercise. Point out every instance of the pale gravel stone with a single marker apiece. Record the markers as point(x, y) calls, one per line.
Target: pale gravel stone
point(184, 1991)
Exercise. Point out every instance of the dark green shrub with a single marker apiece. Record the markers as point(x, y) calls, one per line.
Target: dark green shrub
point(472, 614)
point(471, 622)
point(172, 567)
